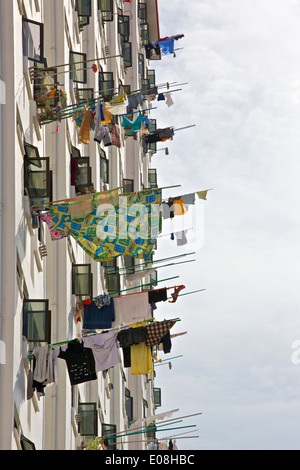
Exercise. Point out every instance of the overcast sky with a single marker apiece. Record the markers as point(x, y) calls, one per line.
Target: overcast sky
point(240, 59)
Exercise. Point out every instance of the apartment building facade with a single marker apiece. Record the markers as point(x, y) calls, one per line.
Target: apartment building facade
point(90, 49)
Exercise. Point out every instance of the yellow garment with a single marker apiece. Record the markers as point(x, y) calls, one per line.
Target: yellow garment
point(141, 359)
point(179, 207)
point(202, 194)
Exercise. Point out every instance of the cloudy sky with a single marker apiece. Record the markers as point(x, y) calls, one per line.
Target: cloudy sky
point(240, 60)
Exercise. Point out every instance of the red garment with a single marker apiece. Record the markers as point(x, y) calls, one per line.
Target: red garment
point(176, 293)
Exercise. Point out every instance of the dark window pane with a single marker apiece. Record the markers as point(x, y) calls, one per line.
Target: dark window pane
point(81, 280)
point(87, 425)
point(108, 431)
point(104, 170)
point(107, 9)
point(33, 40)
point(124, 27)
point(77, 63)
point(83, 7)
point(127, 54)
point(37, 179)
point(106, 84)
point(36, 321)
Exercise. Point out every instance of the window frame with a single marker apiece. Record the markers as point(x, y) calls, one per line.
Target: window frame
point(48, 172)
point(112, 444)
point(104, 162)
point(41, 26)
point(103, 79)
point(77, 92)
point(86, 162)
point(110, 10)
point(128, 405)
point(124, 27)
point(47, 321)
point(127, 54)
point(82, 65)
point(80, 14)
point(89, 274)
point(94, 417)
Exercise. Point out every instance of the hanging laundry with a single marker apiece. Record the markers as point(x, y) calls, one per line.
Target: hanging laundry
point(45, 216)
point(202, 194)
point(167, 343)
point(156, 331)
point(98, 234)
point(160, 135)
point(161, 97)
point(152, 46)
point(132, 278)
point(141, 359)
point(176, 293)
point(169, 100)
point(131, 308)
point(87, 123)
point(135, 126)
point(80, 362)
point(80, 208)
point(181, 238)
point(130, 336)
point(102, 134)
point(105, 350)
point(134, 101)
point(102, 300)
point(118, 105)
point(166, 45)
point(115, 135)
point(98, 318)
point(159, 295)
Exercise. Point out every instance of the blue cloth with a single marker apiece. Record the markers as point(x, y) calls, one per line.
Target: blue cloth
point(167, 46)
point(95, 318)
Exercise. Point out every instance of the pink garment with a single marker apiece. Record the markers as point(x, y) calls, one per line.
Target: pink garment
point(45, 216)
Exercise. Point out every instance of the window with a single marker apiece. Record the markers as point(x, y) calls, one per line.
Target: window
point(106, 85)
point(142, 12)
point(153, 146)
point(141, 65)
point(154, 279)
point(152, 178)
point(33, 40)
point(129, 263)
point(124, 27)
point(75, 152)
point(31, 151)
point(26, 444)
point(107, 9)
point(84, 10)
point(77, 63)
point(128, 186)
point(112, 276)
point(145, 33)
point(88, 425)
point(157, 397)
point(108, 431)
point(38, 179)
point(36, 321)
point(128, 405)
point(83, 7)
point(127, 54)
point(83, 174)
point(151, 78)
point(104, 167)
point(84, 94)
point(82, 280)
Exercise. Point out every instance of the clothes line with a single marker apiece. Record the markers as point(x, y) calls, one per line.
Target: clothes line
point(108, 330)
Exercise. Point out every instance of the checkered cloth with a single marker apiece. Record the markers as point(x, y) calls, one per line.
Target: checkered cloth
point(157, 331)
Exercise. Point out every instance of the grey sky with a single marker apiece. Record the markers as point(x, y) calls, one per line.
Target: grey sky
point(241, 61)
